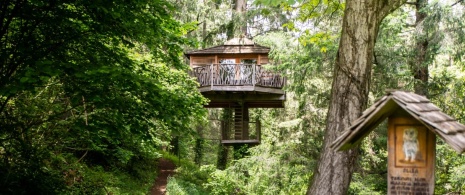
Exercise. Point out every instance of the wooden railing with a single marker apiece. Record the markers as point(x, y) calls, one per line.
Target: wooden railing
point(236, 75)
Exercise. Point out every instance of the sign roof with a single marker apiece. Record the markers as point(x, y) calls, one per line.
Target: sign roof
point(419, 107)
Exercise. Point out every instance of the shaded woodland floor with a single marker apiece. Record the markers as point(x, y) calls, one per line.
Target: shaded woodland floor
point(165, 169)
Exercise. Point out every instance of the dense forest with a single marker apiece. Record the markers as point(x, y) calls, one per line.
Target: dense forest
point(94, 93)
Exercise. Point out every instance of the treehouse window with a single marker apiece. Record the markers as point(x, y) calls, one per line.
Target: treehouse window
point(201, 61)
point(248, 61)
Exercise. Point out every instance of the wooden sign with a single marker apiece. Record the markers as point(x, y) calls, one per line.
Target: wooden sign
point(411, 157)
point(413, 125)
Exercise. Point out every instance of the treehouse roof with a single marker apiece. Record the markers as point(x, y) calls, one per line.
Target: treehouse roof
point(419, 107)
point(232, 46)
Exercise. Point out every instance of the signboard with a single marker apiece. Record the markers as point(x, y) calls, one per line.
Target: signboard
point(411, 157)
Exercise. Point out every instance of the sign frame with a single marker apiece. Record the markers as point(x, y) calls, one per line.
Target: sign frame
point(411, 157)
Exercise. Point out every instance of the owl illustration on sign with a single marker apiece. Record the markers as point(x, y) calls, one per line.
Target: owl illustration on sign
point(410, 144)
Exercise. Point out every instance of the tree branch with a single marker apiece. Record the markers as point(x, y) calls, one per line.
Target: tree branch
point(456, 3)
point(386, 8)
point(411, 3)
point(4, 103)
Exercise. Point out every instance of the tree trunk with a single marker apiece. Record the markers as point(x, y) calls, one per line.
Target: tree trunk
point(349, 95)
point(240, 8)
point(198, 149)
point(419, 65)
point(223, 151)
point(222, 160)
point(174, 143)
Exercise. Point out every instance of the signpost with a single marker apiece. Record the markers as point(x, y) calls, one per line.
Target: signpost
point(413, 123)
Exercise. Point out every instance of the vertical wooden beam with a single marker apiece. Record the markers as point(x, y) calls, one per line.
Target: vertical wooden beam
point(213, 64)
point(258, 126)
point(223, 130)
point(211, 75)
point(253, 74)
point(245, 122)
point(237, 70)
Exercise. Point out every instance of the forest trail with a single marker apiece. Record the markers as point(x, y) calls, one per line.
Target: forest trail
point(165, 168)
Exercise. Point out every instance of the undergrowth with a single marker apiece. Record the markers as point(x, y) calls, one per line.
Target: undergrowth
point(189, 178)
point(137, 178)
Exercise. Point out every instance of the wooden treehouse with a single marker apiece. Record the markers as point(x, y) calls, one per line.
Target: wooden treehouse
point(232, 76)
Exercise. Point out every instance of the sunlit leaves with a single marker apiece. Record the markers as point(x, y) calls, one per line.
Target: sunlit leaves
point(322, 40)
point(313, 11)
point(276, 2)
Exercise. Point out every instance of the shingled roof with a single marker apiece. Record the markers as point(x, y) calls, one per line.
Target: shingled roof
point(415, 105)
point(233, 46)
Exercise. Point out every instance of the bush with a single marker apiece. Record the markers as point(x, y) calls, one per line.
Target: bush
point(181, 187)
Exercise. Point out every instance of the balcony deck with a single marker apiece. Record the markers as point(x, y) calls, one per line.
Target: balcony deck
point(237, 77)
point(236, 142)
point(223, 83)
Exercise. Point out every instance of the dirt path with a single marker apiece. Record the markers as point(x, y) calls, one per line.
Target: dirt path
point(165, 169)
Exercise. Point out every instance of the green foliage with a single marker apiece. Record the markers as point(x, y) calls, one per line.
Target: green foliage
point(449, 169)
point(359, 185)
point(264, 172)
point(307, 68)
point(189, 178)
point(371, 175)
point(181, 187)
point(275, 2)
point(220, 182)
point(280, 165)
point(447, 92)
point(97, 180)
point(90, 89)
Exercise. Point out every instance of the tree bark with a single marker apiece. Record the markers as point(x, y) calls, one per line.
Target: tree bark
point(419, 65)
point(198, 149)
point(350, 88)
point(240, 8)
point(223, 151)
point(174, 143)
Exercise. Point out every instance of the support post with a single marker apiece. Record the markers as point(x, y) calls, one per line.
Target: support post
point(245, 122)
point(253, 75)
point(211, 75)
point(258, 127)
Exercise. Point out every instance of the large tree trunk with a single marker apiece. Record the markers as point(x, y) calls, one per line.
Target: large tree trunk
point(351, 84)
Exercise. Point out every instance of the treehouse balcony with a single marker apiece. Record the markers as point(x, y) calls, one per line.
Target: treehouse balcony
point(237, 77)
point(251, 83)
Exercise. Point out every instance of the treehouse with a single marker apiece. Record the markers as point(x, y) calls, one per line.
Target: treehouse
point(233, 76)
